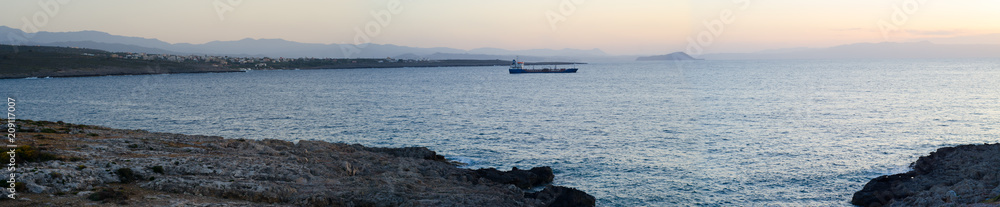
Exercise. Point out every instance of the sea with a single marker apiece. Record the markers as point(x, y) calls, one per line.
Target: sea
point(687, 133)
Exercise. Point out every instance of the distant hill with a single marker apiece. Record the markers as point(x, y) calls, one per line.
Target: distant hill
point(111, 47)
point(263, 47)
point(42, 61)
point(469, 56)
point(275, 48)
point(884, 50)
point(671, 56)
point(540, 52)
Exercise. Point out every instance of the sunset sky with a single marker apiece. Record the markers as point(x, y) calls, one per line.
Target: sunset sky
point(617, 27)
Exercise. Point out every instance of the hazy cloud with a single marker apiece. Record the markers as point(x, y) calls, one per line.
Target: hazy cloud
point(849, 29)
point(935, 32)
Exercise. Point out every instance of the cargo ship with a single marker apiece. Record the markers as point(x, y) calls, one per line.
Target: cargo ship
point(518, 67)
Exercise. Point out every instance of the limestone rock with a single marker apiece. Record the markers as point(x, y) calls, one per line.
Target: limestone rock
point(196, 170)
point(964, 174)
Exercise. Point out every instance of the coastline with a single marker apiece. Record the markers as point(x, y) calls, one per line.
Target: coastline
point(71, 74)
point(43, 61)
point(54, 75)
point(75, 165)
point(965, 175)
point(114, 74)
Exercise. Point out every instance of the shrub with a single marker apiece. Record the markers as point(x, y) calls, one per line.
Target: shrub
point(48, 130)
point(81, 167)
point(20, 187)
point(107, 194)
point(92, 134)
point(125, 175)
point(157, 169)
point(992, 200)
point(27, 153)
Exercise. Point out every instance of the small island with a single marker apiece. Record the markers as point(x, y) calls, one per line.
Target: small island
point(63, 164)
point(671, 56)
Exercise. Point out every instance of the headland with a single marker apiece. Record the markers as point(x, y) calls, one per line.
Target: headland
point(62, 164)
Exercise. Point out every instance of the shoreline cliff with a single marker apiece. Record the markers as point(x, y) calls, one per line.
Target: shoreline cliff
point(966, 175)
point(62, 164)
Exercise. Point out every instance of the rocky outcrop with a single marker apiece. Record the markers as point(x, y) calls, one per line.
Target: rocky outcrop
point(410, 152)
point(521, 178)
point(141, 168)
point(967, 174)
point(558, 196)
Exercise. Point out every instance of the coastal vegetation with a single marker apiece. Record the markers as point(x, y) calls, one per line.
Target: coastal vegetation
point(40, 61)
point(44, 61)
point(28, 153)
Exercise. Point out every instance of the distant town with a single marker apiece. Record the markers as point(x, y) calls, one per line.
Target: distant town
point(256, 62)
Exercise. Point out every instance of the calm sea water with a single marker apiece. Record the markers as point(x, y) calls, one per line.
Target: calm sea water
point(703, 133)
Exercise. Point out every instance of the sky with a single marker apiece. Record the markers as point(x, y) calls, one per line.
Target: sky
point(622, 27)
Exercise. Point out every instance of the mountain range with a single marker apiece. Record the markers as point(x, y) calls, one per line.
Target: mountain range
point(276, 47)
point(929, 48)
point(884, 50)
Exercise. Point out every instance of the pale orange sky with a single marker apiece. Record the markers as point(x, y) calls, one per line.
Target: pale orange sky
point(617, 27)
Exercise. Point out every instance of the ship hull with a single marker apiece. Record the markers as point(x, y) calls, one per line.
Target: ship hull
point(516, 71)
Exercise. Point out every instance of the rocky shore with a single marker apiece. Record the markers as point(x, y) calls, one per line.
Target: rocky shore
point(61, 164)
point(967, 175)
